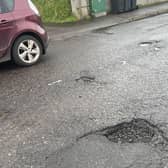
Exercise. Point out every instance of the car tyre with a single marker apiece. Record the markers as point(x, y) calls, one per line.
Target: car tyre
point(26, 51)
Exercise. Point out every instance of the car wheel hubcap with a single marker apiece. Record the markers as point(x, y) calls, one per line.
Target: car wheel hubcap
point(29, 51)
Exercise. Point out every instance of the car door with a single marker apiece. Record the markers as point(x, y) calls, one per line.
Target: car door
point(7, 24)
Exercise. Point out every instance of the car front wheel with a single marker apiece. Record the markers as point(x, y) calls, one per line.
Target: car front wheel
point(26, 51)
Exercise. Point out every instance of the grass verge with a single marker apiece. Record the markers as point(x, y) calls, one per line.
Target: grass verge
point(55, 11)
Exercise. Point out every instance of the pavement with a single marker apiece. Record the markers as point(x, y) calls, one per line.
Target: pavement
point(69, 30)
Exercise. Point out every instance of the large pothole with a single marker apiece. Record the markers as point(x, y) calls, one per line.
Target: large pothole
point(135, 131)
point(125, 145)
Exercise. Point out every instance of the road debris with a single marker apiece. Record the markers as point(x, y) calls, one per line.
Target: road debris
point(135, 131)
point(54, 83)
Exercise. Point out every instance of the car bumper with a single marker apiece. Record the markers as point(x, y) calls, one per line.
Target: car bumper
point(46, 41)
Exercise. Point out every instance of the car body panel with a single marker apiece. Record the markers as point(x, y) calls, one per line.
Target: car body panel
point(7, 28)
point(21, 20)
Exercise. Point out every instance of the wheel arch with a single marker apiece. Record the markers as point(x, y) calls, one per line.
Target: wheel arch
point(35, 35)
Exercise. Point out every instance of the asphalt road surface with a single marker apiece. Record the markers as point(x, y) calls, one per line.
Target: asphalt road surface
point(85, 83)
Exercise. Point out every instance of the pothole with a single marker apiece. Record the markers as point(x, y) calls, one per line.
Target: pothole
point(86, 76)
point(125, 145)
point(148, 43)
point(135, 131)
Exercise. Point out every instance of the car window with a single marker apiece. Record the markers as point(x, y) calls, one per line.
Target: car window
point(6, 6)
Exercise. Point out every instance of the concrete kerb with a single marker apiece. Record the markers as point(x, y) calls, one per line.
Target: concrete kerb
point(121, 20)
point(147, 15)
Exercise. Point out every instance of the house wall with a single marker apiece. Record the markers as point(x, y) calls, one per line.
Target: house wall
point(80, 8)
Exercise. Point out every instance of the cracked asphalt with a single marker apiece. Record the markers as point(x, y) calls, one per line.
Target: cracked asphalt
point(44, 108)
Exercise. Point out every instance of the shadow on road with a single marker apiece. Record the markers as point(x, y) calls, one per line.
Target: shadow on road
point(8, 66)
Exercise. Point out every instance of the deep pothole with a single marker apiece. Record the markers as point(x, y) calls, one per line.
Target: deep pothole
point(135, 131)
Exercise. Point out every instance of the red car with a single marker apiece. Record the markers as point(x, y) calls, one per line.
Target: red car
point(23, 39)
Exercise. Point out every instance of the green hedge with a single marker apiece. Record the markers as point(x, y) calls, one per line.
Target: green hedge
point(55, 11)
